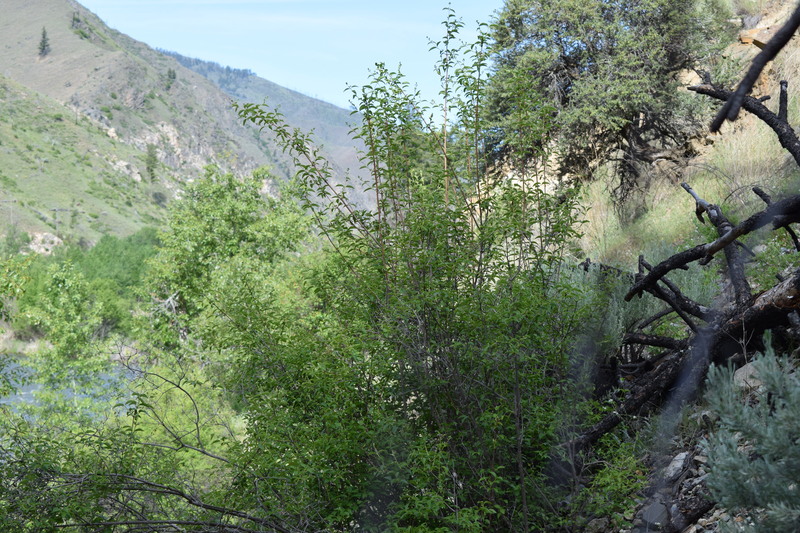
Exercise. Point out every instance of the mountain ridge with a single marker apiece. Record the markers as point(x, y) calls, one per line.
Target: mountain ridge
point(302, 111)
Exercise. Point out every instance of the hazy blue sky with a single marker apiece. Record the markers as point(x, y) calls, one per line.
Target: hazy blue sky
point(316, 47)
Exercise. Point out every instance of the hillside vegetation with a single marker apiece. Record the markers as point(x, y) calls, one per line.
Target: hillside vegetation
point(63, 174)
point(282, 359)
point(163, 123)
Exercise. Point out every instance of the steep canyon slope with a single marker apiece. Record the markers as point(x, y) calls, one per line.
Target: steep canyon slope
point(102, 130)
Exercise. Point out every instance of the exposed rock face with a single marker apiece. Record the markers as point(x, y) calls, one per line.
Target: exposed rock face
point(655, 515)
point(44, 243)
point(678, 497)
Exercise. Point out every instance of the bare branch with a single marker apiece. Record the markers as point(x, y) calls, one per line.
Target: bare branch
point(731, 108)
point(767, 200)
point(686, 304)
point(665, 267)
point(123, 482)
point(780, 214)
point(165, 525)
point(786, 135)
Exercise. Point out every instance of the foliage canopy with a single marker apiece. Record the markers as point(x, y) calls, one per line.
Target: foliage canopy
point(611, 72)
point(302, 363)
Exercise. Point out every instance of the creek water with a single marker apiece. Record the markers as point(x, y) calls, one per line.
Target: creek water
point(26, 386)
point(20, 378)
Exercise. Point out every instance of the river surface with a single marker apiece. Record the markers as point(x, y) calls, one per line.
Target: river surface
point(23, 379)
point(20, 378)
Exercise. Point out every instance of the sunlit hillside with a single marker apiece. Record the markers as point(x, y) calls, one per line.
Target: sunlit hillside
point(148, 123)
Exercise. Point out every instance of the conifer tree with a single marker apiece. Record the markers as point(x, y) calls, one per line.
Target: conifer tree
point(151, 161)
point(44, 43)
point(609, 70)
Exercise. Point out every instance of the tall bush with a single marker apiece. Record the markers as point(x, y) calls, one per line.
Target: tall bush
point(454, 280)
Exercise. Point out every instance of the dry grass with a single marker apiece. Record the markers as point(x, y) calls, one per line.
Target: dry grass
point(736, 162)
point(747, 7)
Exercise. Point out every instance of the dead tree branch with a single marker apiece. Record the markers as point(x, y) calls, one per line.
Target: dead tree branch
point(649, 387)
point(780, 214)
point(786, 135)
point(737, 330)
point(675, 295)
point(734, 259)
point(768, 200)
point(731, 108)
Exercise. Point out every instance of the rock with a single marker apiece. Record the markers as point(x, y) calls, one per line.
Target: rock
point(598, 525)
point(747, 377)
point(675, 467)
point(655, 514)
point(44, 243)
point(698, 480)
point(757, 36)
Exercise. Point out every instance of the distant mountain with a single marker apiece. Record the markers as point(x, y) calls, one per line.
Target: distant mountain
point(331, 124)
point(104, 120)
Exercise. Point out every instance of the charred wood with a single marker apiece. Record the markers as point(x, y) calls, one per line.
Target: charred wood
point(648, 388)
point(733, 258)
point(677, 297)
point(654, 318)
point(780, 214)
point(786, 135)
point(783, 104)
point(768, 200)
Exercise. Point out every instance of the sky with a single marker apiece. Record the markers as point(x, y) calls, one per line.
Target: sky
point(316, 47)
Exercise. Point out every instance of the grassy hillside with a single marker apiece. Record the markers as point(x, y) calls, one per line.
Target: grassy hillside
point(105, 124)
point(144, 96)
point(62, 173)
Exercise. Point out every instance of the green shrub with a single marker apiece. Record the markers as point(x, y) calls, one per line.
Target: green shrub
point(754, 457)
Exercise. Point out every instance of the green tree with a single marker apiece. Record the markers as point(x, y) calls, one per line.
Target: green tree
point(171, 77)
point(407, 370)
point(610, 70)
point(151, 161)
point(170, 426)
point(452, 287)
point(44, 44)
point(13, 277)
point(14, 242)
point(67, 313)
point(218, 218)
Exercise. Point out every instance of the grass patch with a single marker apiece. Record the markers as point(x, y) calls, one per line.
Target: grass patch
point(51, 162)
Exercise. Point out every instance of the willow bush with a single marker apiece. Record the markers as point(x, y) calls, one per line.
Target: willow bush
point(453, 287)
